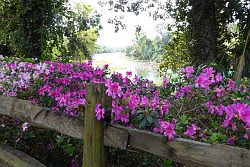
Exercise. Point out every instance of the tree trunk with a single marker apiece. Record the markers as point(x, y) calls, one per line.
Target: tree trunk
point(203, 28)
point(243, 68)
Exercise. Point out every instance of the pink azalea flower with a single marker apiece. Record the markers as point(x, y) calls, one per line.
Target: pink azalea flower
point(134, 101)
point(126, 94)
point(230, 85)
point(131, 125)
point(244, 112)
point(106, 66)
point(220, 91)
point(245, 136)
point(167, 129)
point(191, 130)
point(99, 112)
point(144, 101)
point(136, 80)
point(41, 91)
point(211, 107)
point(24, 126)
point(233, 124)
point(231, 141)
point(218, 77)
point(155, 102)
point(124, 117)
point(189, 70)
point(202, 135)
point(209, 71)
point(220, 109)
point(202, 81)
point(165, 83)
point(129, 73)
point(164, 109)
point(113, 89)
point(126, 80)
point(185, 89)
point(98, 71)
point(179, 94)
point(230, 114)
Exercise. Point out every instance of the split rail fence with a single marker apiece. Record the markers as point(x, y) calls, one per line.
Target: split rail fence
point(97, 137)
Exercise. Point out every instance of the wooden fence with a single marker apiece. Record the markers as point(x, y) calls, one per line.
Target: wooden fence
point(97, 137)
point(10, 157)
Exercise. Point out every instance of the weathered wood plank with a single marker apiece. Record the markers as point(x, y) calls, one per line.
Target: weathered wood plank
point(9, 157)
point(189, 152)
point(41, 116)
point(116, 137)
point(94, 151)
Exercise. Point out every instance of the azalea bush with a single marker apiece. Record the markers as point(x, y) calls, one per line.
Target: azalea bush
point(202, 105)
point(51, 84)
point(205, 107)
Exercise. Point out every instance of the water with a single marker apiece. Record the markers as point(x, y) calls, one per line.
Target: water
point(120, 63)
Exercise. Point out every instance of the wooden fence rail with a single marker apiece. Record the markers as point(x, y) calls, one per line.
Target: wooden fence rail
point(10, 157)
point(188, 152)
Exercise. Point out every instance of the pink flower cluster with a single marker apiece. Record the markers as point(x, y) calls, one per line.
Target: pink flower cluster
point(188, 71)
point(191, 130)
point(57, 85)
point(167, 129)
point(238, 111)
point(208, 89)
point(18, 76)
point(64, 86)
point(208, 98)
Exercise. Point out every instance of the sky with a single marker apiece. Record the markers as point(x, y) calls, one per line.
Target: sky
point(123, 38)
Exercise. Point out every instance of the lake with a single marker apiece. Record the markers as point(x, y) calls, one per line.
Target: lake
point(119, 62)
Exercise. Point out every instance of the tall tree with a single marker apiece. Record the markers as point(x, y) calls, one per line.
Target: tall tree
point(27, 25)
point(47, 29)
point(203, 22)
point(85, 31)
point(208, 23)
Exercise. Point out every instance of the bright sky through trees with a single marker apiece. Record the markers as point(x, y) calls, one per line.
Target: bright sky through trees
point(123, 38)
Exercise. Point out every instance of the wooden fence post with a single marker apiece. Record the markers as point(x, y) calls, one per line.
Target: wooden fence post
point(94, 151)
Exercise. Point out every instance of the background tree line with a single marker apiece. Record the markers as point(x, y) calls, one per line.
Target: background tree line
point(47, 29)
point(205, 32)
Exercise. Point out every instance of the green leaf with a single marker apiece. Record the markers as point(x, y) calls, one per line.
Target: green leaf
point(168, 163)
point(216, 137)
point(183, 119)
point(150, 119)
point(140, 111)
point(69, 149)
point(143, 123)
point(140, 116)
point(164, 139)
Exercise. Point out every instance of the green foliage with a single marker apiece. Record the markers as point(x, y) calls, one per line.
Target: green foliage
point(27, 26)
point(146, 118)
point(48, 29)
point(215, 32)
point(168, 163)
point(145, 48)
point(177, 53)
point(217, 137)
point(83, 32)
point(104, 49)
